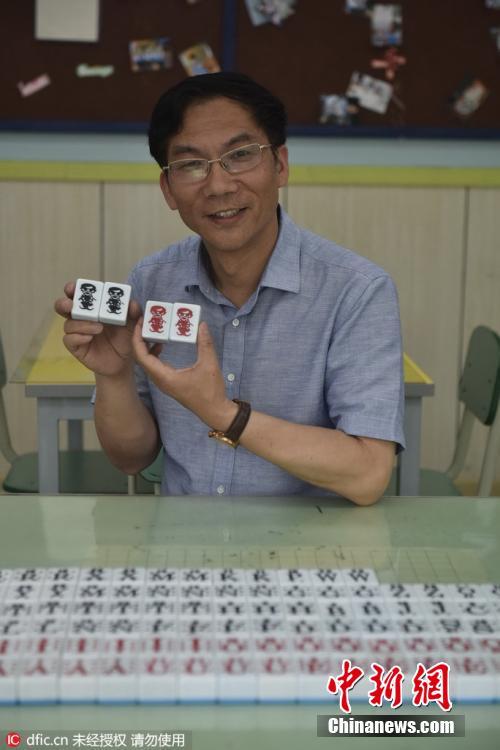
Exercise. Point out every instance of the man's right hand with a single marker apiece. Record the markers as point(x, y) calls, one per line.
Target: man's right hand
point(104, 349)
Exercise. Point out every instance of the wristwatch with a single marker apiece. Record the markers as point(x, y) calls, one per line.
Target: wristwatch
point(233, 433)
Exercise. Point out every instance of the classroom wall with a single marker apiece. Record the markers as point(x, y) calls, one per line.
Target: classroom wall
point(439, 243)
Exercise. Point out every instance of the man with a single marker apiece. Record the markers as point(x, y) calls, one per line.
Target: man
point(305, 333)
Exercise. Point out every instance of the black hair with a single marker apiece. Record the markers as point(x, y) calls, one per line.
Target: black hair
point(168, 115)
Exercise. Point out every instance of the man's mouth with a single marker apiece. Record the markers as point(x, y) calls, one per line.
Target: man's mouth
point(228, 213)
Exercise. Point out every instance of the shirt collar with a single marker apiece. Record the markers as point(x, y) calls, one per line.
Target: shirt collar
point(281, 272)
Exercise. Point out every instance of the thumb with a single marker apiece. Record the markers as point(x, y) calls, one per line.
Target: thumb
point(206, 348)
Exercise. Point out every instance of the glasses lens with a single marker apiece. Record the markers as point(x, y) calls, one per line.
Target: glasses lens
point(245, 157)
point(189, 170)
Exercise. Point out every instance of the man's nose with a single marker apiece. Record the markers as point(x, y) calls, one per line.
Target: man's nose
point(219, 180)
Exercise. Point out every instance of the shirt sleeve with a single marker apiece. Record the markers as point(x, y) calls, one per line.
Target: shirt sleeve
point(364, 384)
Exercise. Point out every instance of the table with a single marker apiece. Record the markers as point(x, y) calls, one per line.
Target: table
point(439, 540)
point(63, 388)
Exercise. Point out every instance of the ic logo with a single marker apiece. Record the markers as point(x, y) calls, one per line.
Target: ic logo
point(13, 739)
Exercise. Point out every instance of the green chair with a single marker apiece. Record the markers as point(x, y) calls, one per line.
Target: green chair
point(82, 472)
point(151, 474)
point(479, 390)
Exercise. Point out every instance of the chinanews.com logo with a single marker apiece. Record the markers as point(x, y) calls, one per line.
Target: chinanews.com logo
point(13, 739)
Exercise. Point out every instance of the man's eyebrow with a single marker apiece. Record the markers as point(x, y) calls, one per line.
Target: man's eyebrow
point(186, 148)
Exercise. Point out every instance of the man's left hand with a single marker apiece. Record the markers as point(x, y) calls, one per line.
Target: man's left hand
point(200, 388)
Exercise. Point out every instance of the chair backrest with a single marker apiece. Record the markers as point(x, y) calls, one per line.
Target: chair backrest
point(6, 448)
point(3, 366)
point(479, 387)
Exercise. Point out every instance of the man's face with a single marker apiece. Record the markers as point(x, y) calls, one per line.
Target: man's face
point(209, 130)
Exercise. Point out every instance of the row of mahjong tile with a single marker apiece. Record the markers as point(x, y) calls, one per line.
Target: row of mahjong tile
point(292, 606)
point(177, 678)
point(203, 575)
point(484, 597)
point(91, 645)
point(108, 302)
point(279, 627)
point(363, 579)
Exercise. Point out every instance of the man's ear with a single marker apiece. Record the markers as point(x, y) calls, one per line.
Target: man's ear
point(282, 165)
point(167, 194)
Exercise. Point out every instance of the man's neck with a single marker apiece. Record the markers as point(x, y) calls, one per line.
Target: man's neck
point(237, 275)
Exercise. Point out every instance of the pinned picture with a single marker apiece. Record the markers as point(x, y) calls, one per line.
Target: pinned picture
point(199, 59)
point(469, 97)
point(37, 84)
point(269, 11)
point(338, 110)
point(150, 54)
point(389, 63)
point(386, 25)
point(371, 93)
point(357, 6)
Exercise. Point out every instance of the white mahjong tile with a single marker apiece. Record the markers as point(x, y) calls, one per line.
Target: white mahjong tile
point(95, 575)
point(294, 576)
point(159, 607)
point(236, 679)
point(357, 576)
point(234, 644)
point(27, 575)
point(331, 591)
point(197, 678)
point(229, 576)
point(158, 678)
point(277, 678)
point(230, 607)
point(77, 681)
point(326, 576)
point(229, 591)
point(38, 679)
point(9, 669)
point(117, 679)
point(313, 671)
point(162, 575)
point(472, 678)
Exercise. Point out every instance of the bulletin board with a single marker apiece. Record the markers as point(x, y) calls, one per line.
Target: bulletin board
point(313, 52)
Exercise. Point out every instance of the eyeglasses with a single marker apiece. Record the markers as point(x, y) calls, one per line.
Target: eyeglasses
point(242, 159)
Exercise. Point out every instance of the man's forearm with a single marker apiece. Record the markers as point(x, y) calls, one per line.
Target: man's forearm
point(125, 427)
point(356, 468)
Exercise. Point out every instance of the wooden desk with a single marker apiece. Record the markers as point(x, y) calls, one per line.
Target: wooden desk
point(63, 388)
point(420, 540)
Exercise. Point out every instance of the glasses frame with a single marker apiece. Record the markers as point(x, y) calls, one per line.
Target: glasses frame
point(220, 161)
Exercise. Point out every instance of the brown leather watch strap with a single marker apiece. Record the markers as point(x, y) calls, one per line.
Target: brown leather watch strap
point(233, 433)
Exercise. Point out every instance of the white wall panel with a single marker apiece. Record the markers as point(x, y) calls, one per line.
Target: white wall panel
point(49, 234)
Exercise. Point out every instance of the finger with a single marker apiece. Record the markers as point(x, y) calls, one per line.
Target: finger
point(159, 371)
point(75, 341)
point(87, 327)
point(134, 311)
point(63, 306)
point(205, 343)
point(69, 289)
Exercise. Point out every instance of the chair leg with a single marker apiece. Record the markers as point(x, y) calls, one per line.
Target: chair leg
point(131, 484)
point(490, 457)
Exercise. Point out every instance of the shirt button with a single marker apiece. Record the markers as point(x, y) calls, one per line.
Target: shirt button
point(231, 377)
point(236, 322)
point(220, 489)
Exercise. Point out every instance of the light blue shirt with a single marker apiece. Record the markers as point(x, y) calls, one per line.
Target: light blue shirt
point(318, 343)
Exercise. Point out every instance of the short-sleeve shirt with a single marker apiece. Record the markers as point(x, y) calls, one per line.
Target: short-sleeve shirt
point(317, 343)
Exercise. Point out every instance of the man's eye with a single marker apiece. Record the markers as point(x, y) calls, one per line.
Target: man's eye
point(189, 166)
point(241, 154)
